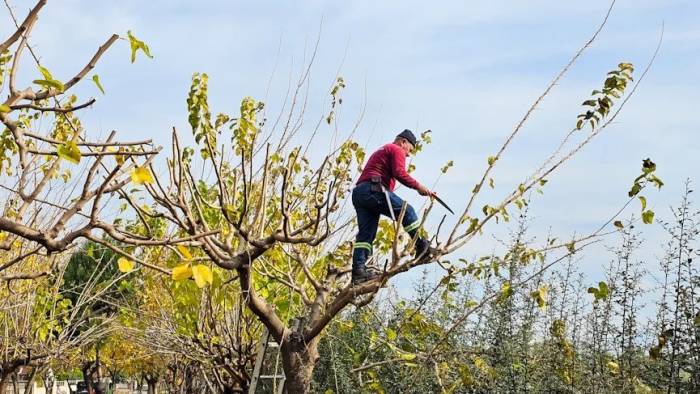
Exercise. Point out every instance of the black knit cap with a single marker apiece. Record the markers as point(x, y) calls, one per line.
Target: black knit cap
point(408, 136)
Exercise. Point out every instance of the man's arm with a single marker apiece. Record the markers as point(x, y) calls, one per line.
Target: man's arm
point(398, 169)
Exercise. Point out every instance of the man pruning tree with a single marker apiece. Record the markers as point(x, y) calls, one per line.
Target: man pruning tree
point(373, 196)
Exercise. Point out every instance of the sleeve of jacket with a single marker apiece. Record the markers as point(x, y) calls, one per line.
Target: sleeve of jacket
point(398, 168)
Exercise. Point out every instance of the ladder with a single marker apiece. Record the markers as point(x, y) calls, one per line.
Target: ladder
point(277, 377)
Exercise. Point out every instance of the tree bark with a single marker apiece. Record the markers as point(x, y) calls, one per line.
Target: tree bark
point(49, 380)
point(98, 386)
point(299, 360)
point(29, 387)
point(152, 382)
point(3, 380)
point(15, 382)
point(86, 376)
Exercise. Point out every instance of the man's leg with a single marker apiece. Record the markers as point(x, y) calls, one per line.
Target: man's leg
point(367, 223)
point(367, 211)
point(410, 222)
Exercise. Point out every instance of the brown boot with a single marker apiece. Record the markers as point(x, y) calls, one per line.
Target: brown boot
point(361, 275)
point(424, 252)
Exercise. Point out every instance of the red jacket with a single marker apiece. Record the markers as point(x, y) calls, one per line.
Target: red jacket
point(389, 163)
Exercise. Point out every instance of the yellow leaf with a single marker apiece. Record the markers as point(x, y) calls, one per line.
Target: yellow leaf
point(202, 275)
point(69, 151)
point(540, 296)
point(141, 175)
point(137, 44)
point(184, 252)
point(120, 158)
point(613, 367)
point(125, 265)
point(5, 108)
point(182, 272)
point(408, 356)
point(480, 363)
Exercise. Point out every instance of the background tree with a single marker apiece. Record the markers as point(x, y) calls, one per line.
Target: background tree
point(40, 324)
point(56, 180)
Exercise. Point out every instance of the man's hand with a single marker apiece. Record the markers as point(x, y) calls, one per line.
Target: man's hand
point(424, 191)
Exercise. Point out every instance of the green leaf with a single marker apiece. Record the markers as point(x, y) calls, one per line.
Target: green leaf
point(69, 152)
point(636, 188)
point(96, 79)
point(643, 200)
point(656, 181)
point(283, 306)
point(4, 108)
point(696, 321)
point(491, 160)
point(408, 356)
point(137, 44)
point(655, 352)
point(447, 166)
point(592, 103)
point(45, 72)
point(648, 216)
point(599, 293)
point(391, 334)
point(50, 83)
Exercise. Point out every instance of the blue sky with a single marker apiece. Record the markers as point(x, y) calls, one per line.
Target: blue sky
point(467, 70)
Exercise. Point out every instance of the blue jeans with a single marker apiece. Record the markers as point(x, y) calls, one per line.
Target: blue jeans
point(369, 205)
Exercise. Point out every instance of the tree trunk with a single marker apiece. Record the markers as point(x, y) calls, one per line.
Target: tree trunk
point(49, 380)
point(86, 376)
point(3, 380)
point(152, 382)
point(98, 386)
point(15, 382)
point(29, 387)
point(299, 361)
